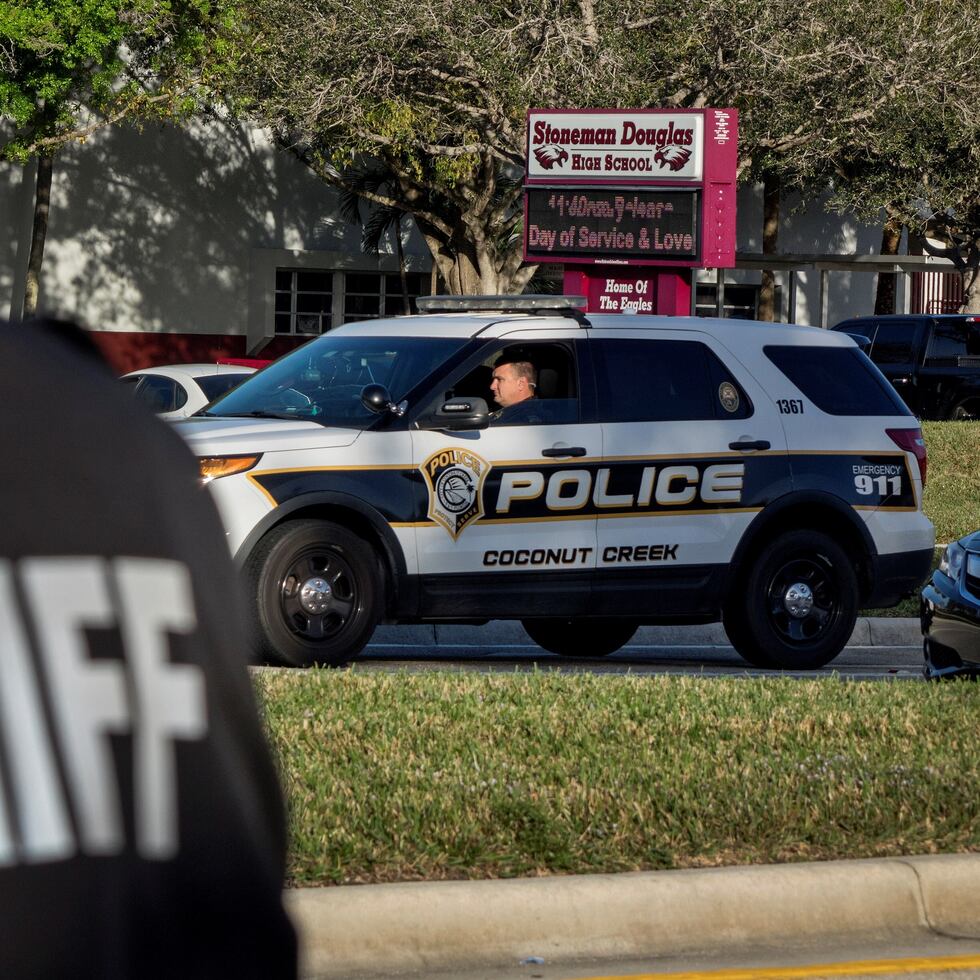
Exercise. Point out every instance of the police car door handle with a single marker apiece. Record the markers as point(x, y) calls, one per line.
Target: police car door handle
point(560, 451)
point(744, 445)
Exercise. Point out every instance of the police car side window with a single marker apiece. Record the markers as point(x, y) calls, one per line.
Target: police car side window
point(664, 380)
point(556, 398)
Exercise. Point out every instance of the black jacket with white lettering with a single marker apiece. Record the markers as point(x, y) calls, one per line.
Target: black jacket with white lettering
point(142, 831)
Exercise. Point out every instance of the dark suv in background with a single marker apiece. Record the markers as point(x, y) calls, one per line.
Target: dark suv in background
point(933, 362)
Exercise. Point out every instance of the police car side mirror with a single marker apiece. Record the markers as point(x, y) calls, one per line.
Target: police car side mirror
point(375, 398)
point(460, 414)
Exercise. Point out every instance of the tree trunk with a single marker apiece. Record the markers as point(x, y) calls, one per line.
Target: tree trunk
point(770, 246)
point(42, 205)
point(971, 282)
point(455, 261)
point(891, 238)
point(964, 252)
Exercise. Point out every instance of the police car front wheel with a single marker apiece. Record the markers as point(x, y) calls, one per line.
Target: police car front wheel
point(798, 605)
point(317, 593)
point(579, 637)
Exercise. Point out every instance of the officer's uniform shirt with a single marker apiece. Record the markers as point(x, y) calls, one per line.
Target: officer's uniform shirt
point(142, 831)
point(525, 412)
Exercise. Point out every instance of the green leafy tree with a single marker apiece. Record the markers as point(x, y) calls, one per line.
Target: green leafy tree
point(815, 82)
point(920, 162)
point(70, 67)
point(438, 94)
point(888, 93)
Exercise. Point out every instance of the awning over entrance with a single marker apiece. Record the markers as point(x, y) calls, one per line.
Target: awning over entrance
point(824, 264)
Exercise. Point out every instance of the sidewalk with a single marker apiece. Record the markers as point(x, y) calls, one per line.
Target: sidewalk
point(381, 930)
point(868, 632)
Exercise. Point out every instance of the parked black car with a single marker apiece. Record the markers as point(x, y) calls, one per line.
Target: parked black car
point(933, 362)
point(950, 612)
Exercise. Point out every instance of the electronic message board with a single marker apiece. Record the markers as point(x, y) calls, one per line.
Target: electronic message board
point(640, 187)
point(640, 224)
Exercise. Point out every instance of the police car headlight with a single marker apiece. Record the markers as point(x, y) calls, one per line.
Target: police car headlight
point(215, 467)
point(952, 560)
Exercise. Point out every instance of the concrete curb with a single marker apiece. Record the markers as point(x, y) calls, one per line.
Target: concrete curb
point(868, 631)
point(380, 930)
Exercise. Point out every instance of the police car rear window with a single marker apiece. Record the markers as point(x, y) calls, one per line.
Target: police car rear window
point(838, 380)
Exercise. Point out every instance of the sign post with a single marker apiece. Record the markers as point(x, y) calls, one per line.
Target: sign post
point(631, 202)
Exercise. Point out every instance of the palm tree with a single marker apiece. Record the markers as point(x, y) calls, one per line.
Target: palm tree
point(373, 176)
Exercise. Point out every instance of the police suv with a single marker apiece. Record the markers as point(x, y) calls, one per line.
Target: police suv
point(674, 470)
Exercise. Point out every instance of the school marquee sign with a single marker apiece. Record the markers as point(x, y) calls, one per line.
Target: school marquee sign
point(636, 187)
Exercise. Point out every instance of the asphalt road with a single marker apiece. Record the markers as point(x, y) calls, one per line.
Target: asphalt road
point(923, 958)
point(888, 652)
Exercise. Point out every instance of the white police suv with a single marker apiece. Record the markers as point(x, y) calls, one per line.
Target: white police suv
point(672, 470)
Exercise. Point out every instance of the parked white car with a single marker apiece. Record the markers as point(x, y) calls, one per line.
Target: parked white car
point(175, 391)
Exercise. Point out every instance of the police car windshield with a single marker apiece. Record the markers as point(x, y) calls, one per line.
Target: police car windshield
point(322, 381)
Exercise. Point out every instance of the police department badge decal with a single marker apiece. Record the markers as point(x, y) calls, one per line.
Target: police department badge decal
point(728, 396)
point(455, 479)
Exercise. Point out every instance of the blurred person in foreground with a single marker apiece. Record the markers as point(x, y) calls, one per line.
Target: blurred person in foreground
point(142, 831)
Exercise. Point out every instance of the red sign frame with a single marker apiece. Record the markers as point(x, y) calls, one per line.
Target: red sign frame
point(641, 150)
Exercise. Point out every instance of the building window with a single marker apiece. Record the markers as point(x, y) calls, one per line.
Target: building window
point(305, 298)
point(741, 300)
point(373, 294)
point(304, 301)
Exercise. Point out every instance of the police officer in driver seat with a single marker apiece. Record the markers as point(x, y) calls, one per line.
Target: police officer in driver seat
point(513, 388)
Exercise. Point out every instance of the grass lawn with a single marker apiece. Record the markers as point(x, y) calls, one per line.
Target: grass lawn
point(453, 775)
point(427, 776)
point(952, 497)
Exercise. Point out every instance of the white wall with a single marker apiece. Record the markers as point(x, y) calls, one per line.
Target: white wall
point(170, 229)
point(158, 229)
point(805, 228)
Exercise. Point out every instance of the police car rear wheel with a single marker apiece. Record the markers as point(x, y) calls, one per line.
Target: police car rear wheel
point(317, 593)
point(798, 606)
point(578, 637)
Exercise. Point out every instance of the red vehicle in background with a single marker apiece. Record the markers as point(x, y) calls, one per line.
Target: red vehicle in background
point(253, 362)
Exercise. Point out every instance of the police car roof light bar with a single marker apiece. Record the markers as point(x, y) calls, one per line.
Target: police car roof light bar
point(528, 303)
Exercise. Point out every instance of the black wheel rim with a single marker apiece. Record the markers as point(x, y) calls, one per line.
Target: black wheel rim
point(812, 620)
point(310, 611)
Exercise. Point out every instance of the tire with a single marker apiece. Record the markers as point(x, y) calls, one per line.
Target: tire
point(965, 412)
point(772, 624)
point(580, 637)
point(328, 627)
